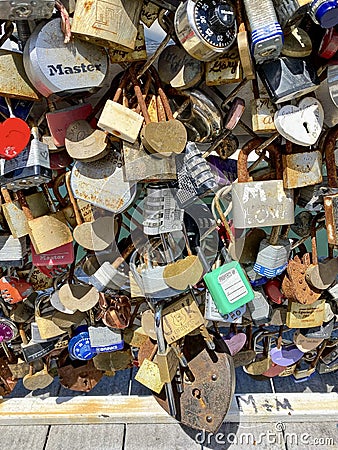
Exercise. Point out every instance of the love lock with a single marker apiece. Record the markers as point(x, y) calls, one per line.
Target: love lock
point(208, 386)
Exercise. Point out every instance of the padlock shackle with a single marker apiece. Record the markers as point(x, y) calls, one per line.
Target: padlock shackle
point(24, 205)
point(78, 217)
point(139, 95)
point(329, 146)
point(250, 146)
point(6, 195)
point(314, 238)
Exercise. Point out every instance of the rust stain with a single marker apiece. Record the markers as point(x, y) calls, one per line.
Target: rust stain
point(87, 5)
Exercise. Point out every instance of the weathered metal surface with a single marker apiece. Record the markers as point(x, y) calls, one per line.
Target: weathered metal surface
point(101, 183)
point(54, 67)
point(108, 23)
point(208, 390)
point(302, 169)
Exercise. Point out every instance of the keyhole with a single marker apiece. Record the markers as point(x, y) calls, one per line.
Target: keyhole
point(196, 393)
point(306, 127)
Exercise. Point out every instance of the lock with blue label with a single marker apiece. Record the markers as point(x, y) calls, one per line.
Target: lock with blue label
point(79, 345)
point(229, 287)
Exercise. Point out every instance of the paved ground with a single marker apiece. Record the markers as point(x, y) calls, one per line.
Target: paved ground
point(235, 436)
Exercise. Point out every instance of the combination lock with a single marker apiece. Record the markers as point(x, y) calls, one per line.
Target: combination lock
point(206, 28)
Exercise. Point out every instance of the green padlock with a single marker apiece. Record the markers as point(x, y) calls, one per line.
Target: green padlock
point(229, 287)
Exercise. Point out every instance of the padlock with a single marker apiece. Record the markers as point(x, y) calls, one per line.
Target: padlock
point(104, 339)
point(297, 43)
point(140, 166)
point(294, 283)
point(273, 255)
point(23, 10)
point(20, 87)
point(15, 135)
point(115, 311)
point(225, 69)
point(260, 309)
point(14, 290)
point(101, 183)
point(151, 280)
point(45, 232)
point(84, 143)
point(212, 313)
point(205, 29)
point(262, 360)
point(14, 215)
point(96, 235)
point(320, 275)
point(194, 176)
point(287, 78)
point(33, 351)
point(156, 135)
point(107, 24)
point(55, 68)
point(13, 252)
point(324, 13)
point(291, 12)
point(76, 375)
point(262, 112)
point(79, 345)
point(302, 169)
point(266, 32)
point(58, 120)
point(119, 120)
point(305, 316)
point(308, 113)
point(276, 206)
point(329, 44)
point(161, 212)
point(43, 318)
point(30, 168)
point(177, 68)
point(331, 200)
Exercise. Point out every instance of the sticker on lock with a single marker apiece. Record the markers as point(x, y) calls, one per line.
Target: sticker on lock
point(229, 287)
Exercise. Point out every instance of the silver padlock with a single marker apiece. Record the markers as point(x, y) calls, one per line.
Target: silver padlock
point(54, 67)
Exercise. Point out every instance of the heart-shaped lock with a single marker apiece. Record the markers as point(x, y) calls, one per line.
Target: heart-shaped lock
point(78, 297)
point(14, 137)
point(300, 124)
point(285, 355)
point(184, 272)
point(235, 343)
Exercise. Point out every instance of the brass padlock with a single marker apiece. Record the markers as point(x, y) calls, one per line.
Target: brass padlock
point(46, 232)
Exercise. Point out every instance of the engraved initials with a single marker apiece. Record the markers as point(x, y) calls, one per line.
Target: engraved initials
point(108, 16)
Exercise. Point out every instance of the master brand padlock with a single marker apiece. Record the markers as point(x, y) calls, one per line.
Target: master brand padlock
point(259, 203)
point(205, 28)
point(54, 67)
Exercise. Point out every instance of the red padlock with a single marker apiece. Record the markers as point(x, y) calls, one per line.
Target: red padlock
point(14, 137)
point(273, 292)
point(14, 290)
point(329, 45)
